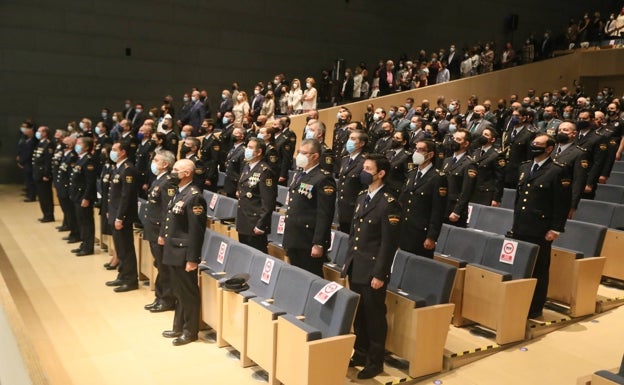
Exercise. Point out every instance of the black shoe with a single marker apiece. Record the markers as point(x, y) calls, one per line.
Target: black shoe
point(357, 360)
point(82, 253)
point(117, 282)
point(535, 315)
point(112, 267)
point(126, 287)
point(30, 200)
point(171, 334)
point(183, 340)
point(150, 306)
point(62, 228)
point(369, 372)
point(46, 220)
point(76, 250)
point(160, 307)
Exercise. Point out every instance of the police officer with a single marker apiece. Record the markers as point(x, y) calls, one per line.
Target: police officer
point(491, 163)
point(349, 184)
point(42, 173)
point(130, 139)
point(122, 213)
point(82, 192)
point(270, 156)
point(25, 149)
point(171, 138)
point(285, 143)
point(160, 193)
point(341, 131)
point(145, 151)
point(188, 150)
point(316, 130)
point(540, 211)
point(423, 202)
point(234, 163)
point(311, 206)
point(182, 237)
point(515, 144)
point(211, 154)
point(257, 193)
point(61, 184)
point(596, 146)
point(373, 241)
point(574, 159)
point(461, 174)
point(400, 162)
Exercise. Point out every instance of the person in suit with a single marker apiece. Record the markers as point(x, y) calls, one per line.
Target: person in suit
point(256, 103)
point(400, 162)
point(423, 202)
point(122, 213)
point(25, 149)
point(211, 153)
point(574, 159)
point(182, 241)
point(311, 206)
point(138, 119)
point(226, 106)
point(160, 194)
point(257, 194)
point(596, 146)
point(171, 141)
point(550, 123)
point(62, 182)
point(516, 142)
point(491, 163)
point(234, 163)
point(349, 185)
point(197, 113)
point(346, 91)
point(128, 110)
point(341, 132)
point(285, 142)
point(416, 131)
point(385, 142)
point(461, 173)
point(42, 173)
point(144, 154)
point(387, 79)
point(373, 241)
point(185, 110)
point(82, 192)
point(102, 139)
point(540, 210)
point(478, 123)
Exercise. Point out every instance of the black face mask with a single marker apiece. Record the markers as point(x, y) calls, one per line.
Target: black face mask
point(612, 113)
point(184, 151)
point(175, 178)
point(396, 144)
point(481, 141)
point(562, 138)
point(455, 146)
point(341, 121)
point(537, 150)
point(583, 125)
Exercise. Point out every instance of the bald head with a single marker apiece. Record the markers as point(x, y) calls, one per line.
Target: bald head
point(184, 169)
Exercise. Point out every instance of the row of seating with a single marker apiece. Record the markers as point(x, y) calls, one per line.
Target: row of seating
point(577, 262)
point(292, 323)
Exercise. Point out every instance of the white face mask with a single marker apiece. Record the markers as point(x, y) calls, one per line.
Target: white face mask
point(418, 158)
point(375, 116)
point(295, 86)
point(308, 84)
point(301, 161)
point(239, 98)
point(256, 92)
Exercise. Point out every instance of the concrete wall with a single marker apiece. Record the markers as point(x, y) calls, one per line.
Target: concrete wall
point(62, 60)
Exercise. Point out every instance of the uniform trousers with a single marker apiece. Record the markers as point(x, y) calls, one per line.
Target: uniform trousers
point(163, 290)
point(44, 191)
point(370, 323)
point(302, 258)
point(124, 246)
point(540, 272)
point(258, 242)
point(186, 291)
point(86, 226)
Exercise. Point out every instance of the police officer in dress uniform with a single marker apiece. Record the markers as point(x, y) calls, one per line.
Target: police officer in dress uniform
point(61, 183)
point(160, 193)
point(182, 237)
point(461, 173)
point(574, 159)
point(42, 173)
point(596, 146)
point(82, 191)
point(491, 163)
point(285, 142)
point(234, 163)
point(516, 141)
point(373, 241)
point(171, 138)
point(423, 202)
point(400, 162)
point(311, 206)
point(270, 155)
point(316, 130)
point(188, 150)
point(145, 151)
point(257, 193)
point(349, 184)
point(122, 213)
point(211, 154)
point(540, 211)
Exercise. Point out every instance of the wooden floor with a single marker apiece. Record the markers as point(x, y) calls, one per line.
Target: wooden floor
point(72, 329)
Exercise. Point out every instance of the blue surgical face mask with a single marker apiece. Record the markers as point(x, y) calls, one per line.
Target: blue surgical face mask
point(154, 168)
point(566, 115)
point(249, 154)
point(97, 130)
point(38, 135)
point(309, 135)
point(78, 148)
point(452, 128)
point(408, 106)
point(183, 134)
point(391, 113)
point(225, 120)
point(412, 126)
point(140, 136)
point(260, 136)
point(452, 108)
point(114, 156)
point(350, 146)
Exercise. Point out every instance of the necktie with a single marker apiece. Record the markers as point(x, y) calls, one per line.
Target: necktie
point(454, 161)
point(534, 169)
point(367, 200)
point(514, 133)
point(473, 127)
point(418, 176)
point(299, 177)
point(391, 154)
point(247, 169)
point(482, 153)
point(558, 150)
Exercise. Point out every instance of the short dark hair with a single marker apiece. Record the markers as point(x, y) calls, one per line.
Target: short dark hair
point(550, 142)
point(381, 162)
point(87, 143)
point(431, 147)
point(259, 144)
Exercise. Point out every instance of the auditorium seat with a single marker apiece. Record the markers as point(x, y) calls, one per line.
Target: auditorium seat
point(315, 349)
point(474, 211)
point(610, 193)
point(337, 254)
point(282, 195)
point(419, 312)
point(493, 219)
point(498, 290)
point(509, 198)
point(618, 166)
point(617, 178)
point(290, 294)
point(276, 236)
point(398, 269)
point(223, 216)
point(263, 275)
point(606, 377)
point(576, 267)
